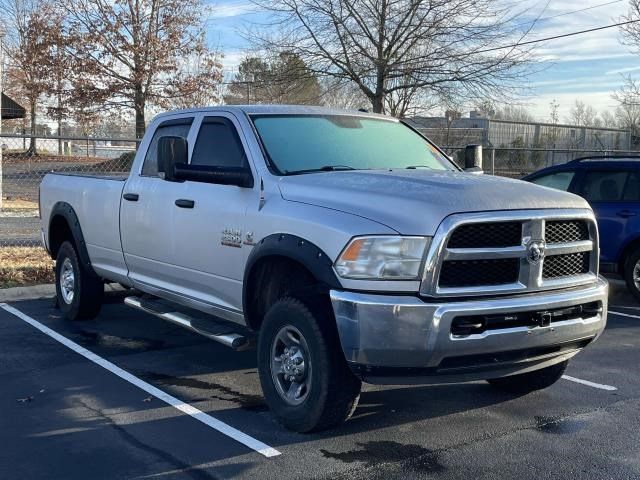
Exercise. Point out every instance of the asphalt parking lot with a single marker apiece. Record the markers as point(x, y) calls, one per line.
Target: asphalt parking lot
point(63, 415)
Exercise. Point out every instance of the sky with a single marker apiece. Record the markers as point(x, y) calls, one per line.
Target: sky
point(587, 67)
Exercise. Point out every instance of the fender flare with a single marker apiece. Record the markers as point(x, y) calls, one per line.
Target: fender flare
point(295, 248)
point(66, 211)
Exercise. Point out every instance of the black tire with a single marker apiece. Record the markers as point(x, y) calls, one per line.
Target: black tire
point(87, 288)
point(629, 266)
point(332, 390)
point(531, 381)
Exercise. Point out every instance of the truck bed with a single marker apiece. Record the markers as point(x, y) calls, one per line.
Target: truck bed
point(96, 201)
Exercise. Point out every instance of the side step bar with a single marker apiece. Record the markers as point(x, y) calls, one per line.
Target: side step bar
point(232, 340)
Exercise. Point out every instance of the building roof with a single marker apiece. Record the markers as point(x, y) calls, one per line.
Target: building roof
point(11, 109)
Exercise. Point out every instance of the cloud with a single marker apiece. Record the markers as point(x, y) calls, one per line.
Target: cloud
point(622, 70)
point(230, 10)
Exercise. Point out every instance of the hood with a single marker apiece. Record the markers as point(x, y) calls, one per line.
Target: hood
point(414, 202)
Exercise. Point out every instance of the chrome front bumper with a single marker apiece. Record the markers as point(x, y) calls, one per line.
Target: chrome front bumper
point(402, 339)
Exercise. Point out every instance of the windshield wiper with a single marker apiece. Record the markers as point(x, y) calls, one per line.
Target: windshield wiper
point(414, 167)
point(324, 168)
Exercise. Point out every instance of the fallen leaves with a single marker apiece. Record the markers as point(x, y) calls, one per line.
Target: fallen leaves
point(24, 266)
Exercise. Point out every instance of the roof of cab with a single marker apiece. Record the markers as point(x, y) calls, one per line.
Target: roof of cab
point(276, 110)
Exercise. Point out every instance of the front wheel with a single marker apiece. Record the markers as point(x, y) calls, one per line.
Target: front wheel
point(632, 273)
point(79, 290)
point(531, 381)
point(304, 376)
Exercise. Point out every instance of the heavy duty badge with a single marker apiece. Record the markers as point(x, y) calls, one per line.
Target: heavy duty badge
point(232, 237)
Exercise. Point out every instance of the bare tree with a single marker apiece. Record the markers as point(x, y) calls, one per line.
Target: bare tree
point(511, 112)
point(391, 46)
point(29, 29)
point(58, 86)
point(609, 119)
point(133, 53)
point(342, 94)
point(628, 110)
point(584, 115)
point(631, 31)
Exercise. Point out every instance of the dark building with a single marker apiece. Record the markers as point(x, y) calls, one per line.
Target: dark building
point(11, 109)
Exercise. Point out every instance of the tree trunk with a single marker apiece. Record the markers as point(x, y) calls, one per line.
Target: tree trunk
point(59, 132)
point(377, 102)
point(59, 120)
point(139, 103)
point(32, 140)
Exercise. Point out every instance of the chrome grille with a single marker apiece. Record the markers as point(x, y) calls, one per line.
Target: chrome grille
point(566, 231)
point(566, 265)
point(467, 273)
point(553, 249)
point(482, 235)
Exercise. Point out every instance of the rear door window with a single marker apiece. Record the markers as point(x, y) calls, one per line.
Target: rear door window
point(632, 188)
point(604, 186)
point(557, 180)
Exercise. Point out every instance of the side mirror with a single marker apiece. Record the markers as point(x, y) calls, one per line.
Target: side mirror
point(473, 159)
point(238, 176)
point(171, 152)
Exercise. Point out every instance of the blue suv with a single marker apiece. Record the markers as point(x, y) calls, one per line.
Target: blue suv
point(612, 186)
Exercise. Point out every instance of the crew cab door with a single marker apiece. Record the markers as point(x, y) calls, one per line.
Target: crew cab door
point(149, 241)
point(614, 195)
point(211, 222)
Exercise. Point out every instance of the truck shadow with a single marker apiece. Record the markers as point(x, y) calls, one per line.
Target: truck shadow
point(382, 407)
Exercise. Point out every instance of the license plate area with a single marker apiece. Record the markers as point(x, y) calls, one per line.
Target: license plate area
point(464, 325)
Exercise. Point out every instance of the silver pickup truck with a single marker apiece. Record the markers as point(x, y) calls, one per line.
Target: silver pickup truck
point(347, 246)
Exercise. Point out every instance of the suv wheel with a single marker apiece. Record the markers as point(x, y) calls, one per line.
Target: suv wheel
point(531, 381)
point(304, 376)
point(632, 273)
point(79, 291)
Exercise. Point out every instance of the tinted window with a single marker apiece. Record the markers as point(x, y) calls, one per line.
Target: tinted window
point(299, 143)
point(170, 128)
point(218, 145)
point(632, 188)
point(558, 180)
point(604, 186)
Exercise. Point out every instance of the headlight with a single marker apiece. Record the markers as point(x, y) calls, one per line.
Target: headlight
point(383, 258)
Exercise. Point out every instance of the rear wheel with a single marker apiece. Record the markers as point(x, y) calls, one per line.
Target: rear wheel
point(531, 381)
point(79, 290)
point(632, 273)
point(304, 376)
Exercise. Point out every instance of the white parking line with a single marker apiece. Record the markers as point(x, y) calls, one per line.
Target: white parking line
point(624, 306)
point(625, 314)
point(199, 415)
point(589, 384)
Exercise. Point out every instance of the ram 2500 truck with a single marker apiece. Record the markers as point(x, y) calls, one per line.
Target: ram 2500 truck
point(347, 246)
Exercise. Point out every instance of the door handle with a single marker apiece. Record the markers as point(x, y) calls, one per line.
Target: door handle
point(131, 197)
point(184, 203)
point(626, 213)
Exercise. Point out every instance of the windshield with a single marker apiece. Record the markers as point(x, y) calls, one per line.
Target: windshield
point(309, 143)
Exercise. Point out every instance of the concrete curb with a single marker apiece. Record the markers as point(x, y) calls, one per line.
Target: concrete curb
point(47, 290)
point(27, 293)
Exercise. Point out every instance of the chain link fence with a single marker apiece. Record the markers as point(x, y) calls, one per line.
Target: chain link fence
point(26, 160)
point(517, 162)
point(515, 149)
